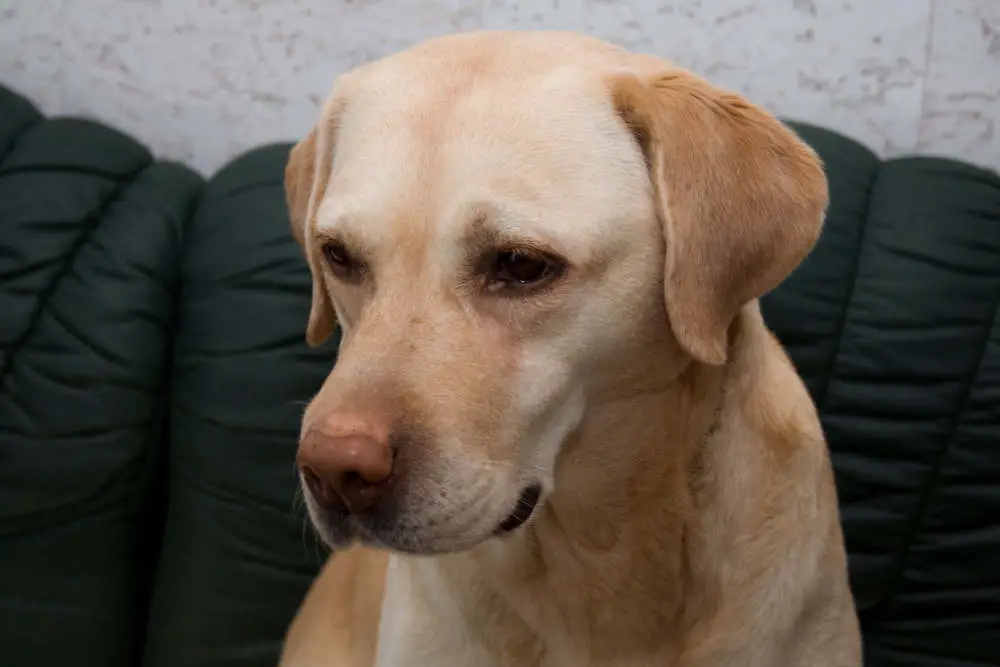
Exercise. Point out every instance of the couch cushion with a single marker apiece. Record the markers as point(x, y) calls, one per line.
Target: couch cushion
point(90, 228)
point(238, 554)
point(893, 323)
point(890, 321)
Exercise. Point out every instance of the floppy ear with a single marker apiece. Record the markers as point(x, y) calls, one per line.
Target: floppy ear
point(740, 196)
point(306, 176)
point(300, 173)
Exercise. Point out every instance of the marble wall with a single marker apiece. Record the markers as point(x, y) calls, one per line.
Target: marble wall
point(202, 80)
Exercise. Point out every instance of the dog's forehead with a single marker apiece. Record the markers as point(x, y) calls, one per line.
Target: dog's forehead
point(426, 145)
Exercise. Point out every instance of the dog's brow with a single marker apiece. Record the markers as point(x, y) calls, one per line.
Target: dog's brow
point(488, 227)
point(331, 216)
point(481, 230)
point(339, 223)
point(339, 235)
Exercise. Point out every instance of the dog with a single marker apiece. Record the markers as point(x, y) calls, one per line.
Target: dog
point(559, 433)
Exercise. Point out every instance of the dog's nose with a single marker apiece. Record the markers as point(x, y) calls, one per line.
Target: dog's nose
point(348, 471)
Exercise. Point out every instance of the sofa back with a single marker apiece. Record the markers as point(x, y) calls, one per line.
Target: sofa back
point(893, 323)
point(91, 236)
point(153, 374)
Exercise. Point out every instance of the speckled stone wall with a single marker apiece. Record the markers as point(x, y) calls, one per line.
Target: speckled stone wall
point(202, 80)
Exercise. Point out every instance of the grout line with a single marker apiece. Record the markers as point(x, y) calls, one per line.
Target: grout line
point(925, 79)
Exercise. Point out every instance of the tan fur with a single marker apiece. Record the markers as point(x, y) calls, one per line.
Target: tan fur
point(359, 582)
point(722, 251)
point(689, 516)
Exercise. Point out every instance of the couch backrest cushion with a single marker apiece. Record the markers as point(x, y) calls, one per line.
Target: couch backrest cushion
point(238, 554)
point(893, 323)
point(115, 268)
point(90, 230)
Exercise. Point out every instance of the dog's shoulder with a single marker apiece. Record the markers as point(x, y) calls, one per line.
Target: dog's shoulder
point(338, 622)
point(768, 446)
point(772, 400)
point(782, 553)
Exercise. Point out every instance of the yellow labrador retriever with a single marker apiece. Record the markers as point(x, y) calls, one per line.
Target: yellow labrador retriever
point(559, 433)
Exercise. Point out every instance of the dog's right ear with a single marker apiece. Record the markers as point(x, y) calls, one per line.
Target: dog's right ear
point(300, 171)
point(307, 174)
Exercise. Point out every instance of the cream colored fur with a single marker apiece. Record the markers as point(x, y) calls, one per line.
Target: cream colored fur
point(689, 516)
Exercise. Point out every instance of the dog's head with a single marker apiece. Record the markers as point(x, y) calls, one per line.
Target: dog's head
point(508, 228)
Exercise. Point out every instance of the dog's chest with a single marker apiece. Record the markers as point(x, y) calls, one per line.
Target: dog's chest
point(423, 629)
point(417, 630)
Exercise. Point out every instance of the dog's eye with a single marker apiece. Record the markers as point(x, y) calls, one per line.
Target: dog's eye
point(341, 263)
point(521, 269)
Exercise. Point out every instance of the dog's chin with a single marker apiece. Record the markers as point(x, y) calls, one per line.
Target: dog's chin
point(413, 535)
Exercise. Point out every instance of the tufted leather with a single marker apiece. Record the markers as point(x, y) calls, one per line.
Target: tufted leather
point(153, 372)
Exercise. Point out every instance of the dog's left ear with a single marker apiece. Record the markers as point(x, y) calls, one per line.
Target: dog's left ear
point(740, 196)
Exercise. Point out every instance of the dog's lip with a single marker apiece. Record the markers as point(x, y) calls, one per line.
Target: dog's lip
point(522, 511)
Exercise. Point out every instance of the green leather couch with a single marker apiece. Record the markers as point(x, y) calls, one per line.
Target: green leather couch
point(153, 371)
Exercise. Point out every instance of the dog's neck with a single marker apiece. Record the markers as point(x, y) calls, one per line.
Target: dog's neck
point(622, 518)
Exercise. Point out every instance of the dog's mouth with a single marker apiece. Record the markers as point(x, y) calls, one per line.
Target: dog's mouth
point(409, 534)
point(525, 507)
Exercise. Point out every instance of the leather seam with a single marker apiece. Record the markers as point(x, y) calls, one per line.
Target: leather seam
point(18, 136)
point(89, 225)
point(821, 394)
point(933, 480)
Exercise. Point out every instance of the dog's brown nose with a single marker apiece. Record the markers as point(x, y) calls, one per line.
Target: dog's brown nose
point(345, 470)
